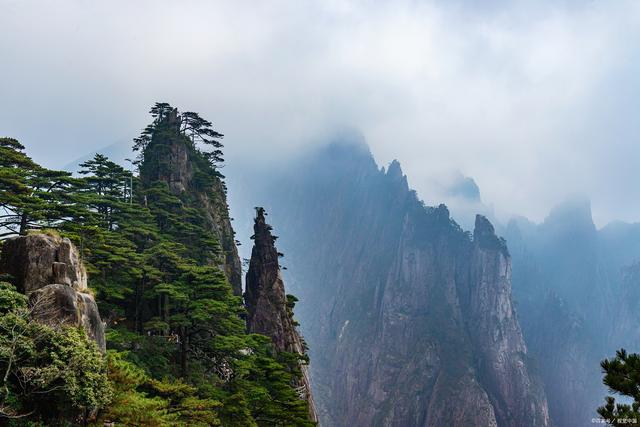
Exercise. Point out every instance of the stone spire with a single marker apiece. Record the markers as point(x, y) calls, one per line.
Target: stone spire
point(268, 311)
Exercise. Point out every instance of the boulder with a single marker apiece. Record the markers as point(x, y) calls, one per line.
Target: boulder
point(50, 271)
point(38, 260)
point(58, 304)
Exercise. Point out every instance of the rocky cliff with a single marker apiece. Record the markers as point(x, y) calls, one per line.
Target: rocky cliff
point(409, 318)
point(496, 334)
point(39, 259)
point(49, 270)
point(268, 310)
point(174, 162)
point(577, 293)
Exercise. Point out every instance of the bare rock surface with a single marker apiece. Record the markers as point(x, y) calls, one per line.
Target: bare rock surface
point(37, 260)
point(410, 318)
point(266, 301)
point(49, 270)
point(58, 304)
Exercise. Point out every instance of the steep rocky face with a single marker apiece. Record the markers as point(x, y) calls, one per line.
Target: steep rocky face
point(265, 296)
point(268, 311)
point(49, 270)
point(177, 170)
point(218, 213)
point(58, 304)
point(496, 334)
point(410, 319)
point(577, 292)
point(38, 259)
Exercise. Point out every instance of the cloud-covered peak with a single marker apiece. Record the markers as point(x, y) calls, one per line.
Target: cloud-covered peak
point(533, 99)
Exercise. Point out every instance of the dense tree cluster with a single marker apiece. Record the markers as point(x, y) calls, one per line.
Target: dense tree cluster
point(32, 197)
point(167, 122)
point(178, 351)
point(622, 376)
point(48, 374)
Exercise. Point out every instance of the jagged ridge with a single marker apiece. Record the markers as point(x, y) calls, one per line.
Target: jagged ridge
point(413, 316)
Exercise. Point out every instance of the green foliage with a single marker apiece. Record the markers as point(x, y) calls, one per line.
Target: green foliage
point(622, 376)
point(31, 196)
point(180, 221)
point(267, 383)
point(50, 375)
point(114, 236)
point(151, 353)
point(168, 124)
point(178, 350)
point(131, 404)
point(291, 303)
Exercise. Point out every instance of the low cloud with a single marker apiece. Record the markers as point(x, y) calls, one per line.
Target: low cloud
point(534, 100)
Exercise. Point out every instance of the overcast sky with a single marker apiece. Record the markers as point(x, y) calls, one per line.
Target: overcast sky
point(534, 100)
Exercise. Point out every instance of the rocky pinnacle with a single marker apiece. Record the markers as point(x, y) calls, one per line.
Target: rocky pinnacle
point(266, 301)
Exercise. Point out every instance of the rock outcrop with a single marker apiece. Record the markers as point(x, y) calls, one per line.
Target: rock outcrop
point(496, 335)
point(268, 310)
point(38, 259)
point(177, 159)
point(410, 319)
point(58, 304)
point(49, 270)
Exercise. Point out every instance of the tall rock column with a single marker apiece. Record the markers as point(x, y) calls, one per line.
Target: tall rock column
point(175, 161)
point(516, 395)
point(266, 301)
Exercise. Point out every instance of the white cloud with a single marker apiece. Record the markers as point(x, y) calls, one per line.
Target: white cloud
point(533, 99)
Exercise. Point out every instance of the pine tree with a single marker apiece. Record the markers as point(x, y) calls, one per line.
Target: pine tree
point(113, 236)
point(178, 351)
point(32, 197)
point(622, 376)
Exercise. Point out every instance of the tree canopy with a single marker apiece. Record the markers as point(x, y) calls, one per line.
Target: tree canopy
point(178, 351)
point(189, 124)
point(32, 197)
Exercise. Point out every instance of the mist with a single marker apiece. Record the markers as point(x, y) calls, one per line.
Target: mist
point(534, 101)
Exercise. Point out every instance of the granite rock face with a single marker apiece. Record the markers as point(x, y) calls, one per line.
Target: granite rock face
point(577, 289)
point(49, 270)
point(58, 304)
point(409, 318)
point(178, 172)
point(496, 334)
point(268, 312)
point(218, 214)
point(38, 259)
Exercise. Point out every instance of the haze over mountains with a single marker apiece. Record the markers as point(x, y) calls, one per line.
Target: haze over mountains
point(454, 185)
point(403, 306)
point(375, 269)
point(573, 285)
point(345, 222)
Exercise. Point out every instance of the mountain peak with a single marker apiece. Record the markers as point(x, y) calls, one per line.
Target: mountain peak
point(269, 308)
point(464, 187)
point(394, 172)
point(484, 235)
point(573, 213)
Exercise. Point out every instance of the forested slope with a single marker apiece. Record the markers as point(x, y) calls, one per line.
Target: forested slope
point(161, 259)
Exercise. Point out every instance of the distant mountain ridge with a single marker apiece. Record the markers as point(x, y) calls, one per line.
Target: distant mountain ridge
point(574, 285)
point(117, 152)
point(576, 291)
point(409, 318)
